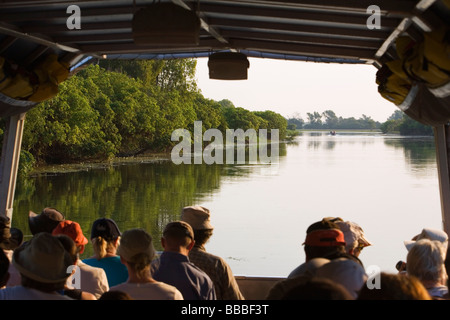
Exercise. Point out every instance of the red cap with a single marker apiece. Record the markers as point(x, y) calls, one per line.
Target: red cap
point(73, 230)
point(325, 238)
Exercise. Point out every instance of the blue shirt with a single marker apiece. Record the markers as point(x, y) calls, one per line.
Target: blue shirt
point(176, 269)
point(116, 271)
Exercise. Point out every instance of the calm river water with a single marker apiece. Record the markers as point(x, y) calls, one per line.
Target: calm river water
point(387, 184)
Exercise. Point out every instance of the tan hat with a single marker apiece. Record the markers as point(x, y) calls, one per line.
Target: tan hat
point(134, 242)
point(353, 234)
point(197, 217)
point(43, 259)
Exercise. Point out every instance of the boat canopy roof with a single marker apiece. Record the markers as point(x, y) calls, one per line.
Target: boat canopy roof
point(329, 31)
point(345, 31)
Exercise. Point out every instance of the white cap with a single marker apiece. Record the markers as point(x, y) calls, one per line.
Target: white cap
point(427, 233)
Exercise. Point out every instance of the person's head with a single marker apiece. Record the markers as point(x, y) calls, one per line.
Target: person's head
point(178, 236)
point(324, 239)
point(105, 237)
point(425, 260)
point(5, 232)
point(395, 287)
point(73, 230)
point(115, 295)
point(355, 239)
point(198, 218)
point(43, 263)
point(316, 288)
point(4, 267)
point(137, 252)
point(69, 245)
point(46, 221)
point(16, 239)
point(346, 272)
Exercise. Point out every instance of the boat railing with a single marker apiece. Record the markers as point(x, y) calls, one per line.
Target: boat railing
point(256, 287)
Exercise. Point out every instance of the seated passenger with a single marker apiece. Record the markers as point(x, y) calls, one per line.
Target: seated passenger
point(136, 252)
point(425, 260)
point(105, 238)
point(324, 239)
point(174, 268)
point(69, 290)
point(91, 279)
point(215, 267)
point(395, 287)
point(42, 263)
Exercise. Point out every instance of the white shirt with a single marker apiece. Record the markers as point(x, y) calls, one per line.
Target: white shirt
point(149, 291)
point(89, 279)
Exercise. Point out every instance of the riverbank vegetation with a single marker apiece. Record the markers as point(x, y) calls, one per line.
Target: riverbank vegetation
point(125, 108)
point(397, 123)
point(400, 123)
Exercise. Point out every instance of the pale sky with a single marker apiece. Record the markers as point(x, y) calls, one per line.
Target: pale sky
point(288, 87)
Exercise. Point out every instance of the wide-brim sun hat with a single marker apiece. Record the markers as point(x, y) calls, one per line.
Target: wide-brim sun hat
point(43, 259)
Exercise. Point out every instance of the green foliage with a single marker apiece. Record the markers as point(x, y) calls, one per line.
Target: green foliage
point(401, 123)
point(123, 108)
point(274, 121)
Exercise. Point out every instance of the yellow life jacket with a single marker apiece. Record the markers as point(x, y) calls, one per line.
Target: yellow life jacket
point(50, 73)
point(391, 85)
point(427, 61)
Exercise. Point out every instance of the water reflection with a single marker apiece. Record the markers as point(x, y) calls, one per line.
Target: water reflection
point(146, 195)
point(418, 151)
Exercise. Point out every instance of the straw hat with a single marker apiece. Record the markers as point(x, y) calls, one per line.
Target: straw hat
point(43, 259)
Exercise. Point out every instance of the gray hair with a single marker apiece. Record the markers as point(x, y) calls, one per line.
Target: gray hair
point(425, 260)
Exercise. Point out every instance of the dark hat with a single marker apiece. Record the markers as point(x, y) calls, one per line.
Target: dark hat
point(325, 223)
point(5, 232)
point(105, 228)
point(178, 229)
point(46, 221)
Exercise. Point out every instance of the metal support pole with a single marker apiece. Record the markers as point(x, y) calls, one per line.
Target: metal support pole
point(9, 165)
point(442, 141)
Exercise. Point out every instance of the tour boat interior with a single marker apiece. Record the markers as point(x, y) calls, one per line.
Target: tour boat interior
point(44, 42)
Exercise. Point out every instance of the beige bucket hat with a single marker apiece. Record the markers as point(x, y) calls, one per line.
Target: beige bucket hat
point(43, 259)
point(197, 216)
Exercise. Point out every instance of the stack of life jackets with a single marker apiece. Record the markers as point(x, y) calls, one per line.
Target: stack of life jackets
point(419, 81)
point(36, 85)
